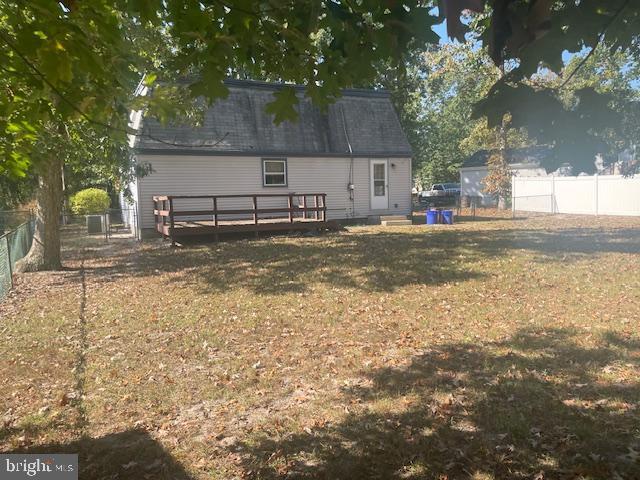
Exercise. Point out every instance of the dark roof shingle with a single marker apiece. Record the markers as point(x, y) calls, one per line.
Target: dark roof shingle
point(528, 156)
point(239, 124)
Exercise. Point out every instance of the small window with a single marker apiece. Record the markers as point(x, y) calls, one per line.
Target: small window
point(274, 172)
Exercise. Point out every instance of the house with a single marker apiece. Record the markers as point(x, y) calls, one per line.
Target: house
point(524, 162)
point(355, 152)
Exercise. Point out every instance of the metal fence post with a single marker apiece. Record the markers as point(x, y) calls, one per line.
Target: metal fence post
point(6, 239)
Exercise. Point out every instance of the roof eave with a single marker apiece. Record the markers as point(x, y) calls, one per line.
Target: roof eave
point(257, 153)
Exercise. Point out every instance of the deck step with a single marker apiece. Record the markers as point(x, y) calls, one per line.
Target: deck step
point(392, 218)
point(395, 223)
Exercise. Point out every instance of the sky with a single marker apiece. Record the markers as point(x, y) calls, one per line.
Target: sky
point(441, 30)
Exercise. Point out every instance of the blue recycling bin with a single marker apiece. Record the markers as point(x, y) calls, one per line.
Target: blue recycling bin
point(432, 217)
point(447, 217)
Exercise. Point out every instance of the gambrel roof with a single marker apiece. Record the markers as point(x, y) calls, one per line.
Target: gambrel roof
point(239, 124)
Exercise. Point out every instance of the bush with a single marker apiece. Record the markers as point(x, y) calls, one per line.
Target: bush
point(90, 201)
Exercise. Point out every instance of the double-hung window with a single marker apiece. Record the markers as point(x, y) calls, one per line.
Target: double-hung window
point(274, 172)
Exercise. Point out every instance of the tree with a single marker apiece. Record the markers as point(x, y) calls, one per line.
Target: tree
point(81, 61)
point(63, 66)
point(534, 35)
point(456, 76)
point(71, 61)
point(498, 179)
point(75, 155)
point(615, 75)
point(14, 193)
point(406, 85)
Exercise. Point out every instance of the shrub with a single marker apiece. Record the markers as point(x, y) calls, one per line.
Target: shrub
point(90, 201)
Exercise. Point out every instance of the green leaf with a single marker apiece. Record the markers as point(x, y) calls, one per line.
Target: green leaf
point(283, 107)
point(211, 90)
point(150, 78)
point(148, 10)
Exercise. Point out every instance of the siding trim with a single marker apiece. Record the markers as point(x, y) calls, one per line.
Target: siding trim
point(263, 153)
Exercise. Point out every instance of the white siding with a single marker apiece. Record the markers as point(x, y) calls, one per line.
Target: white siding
point(471, 180)
point(228, 175)
point(400, 184)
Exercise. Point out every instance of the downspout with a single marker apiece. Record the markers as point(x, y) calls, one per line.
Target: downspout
point(350, 186)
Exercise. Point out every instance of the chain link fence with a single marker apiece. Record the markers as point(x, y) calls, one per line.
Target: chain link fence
point(10, 219)
point(478, 208)
point(17, 228)
point(14, 245)
point(113, 223)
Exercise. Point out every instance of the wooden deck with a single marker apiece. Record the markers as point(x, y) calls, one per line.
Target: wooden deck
point(303, 212)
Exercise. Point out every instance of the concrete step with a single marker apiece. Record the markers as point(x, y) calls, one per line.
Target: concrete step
point(392, 218)
point(395, 223)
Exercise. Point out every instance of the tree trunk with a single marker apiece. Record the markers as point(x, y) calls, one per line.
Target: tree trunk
point(45, 249)
point(502, 201)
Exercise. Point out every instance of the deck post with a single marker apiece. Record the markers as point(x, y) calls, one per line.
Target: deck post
point(165, 206)
point(324, 207)
point(155, 214)
point(215, 218)
point(304, 207)
point(255, 215)
point(315, 204)
point(163, 219)
point(255, 210)
point(290, 208)
point(171, 222)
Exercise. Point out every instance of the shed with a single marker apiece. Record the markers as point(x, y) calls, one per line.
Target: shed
point(523, 161)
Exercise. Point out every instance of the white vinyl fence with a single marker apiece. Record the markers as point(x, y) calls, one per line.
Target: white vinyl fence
point(592, 195)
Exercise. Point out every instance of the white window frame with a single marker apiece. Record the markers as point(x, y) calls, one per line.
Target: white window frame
point(264, 172)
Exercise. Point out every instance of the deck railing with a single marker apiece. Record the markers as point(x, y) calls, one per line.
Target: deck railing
point(166, 214)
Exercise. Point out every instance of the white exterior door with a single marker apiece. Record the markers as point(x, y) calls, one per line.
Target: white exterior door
point(379, 185)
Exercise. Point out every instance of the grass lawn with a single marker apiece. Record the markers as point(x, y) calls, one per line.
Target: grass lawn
point(499, 349)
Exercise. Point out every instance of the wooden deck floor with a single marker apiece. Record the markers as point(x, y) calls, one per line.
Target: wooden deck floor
point(249, 221)
point(207, 227)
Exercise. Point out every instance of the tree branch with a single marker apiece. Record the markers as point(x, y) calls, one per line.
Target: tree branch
point(597, 44)
point(64, 99)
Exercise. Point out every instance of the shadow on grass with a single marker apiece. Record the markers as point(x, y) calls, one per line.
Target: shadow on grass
point(420, 219)
point(509, 410)
point(380, 261)
point(130, 455)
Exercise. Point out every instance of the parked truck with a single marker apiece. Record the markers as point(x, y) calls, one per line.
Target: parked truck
point(440, 194)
